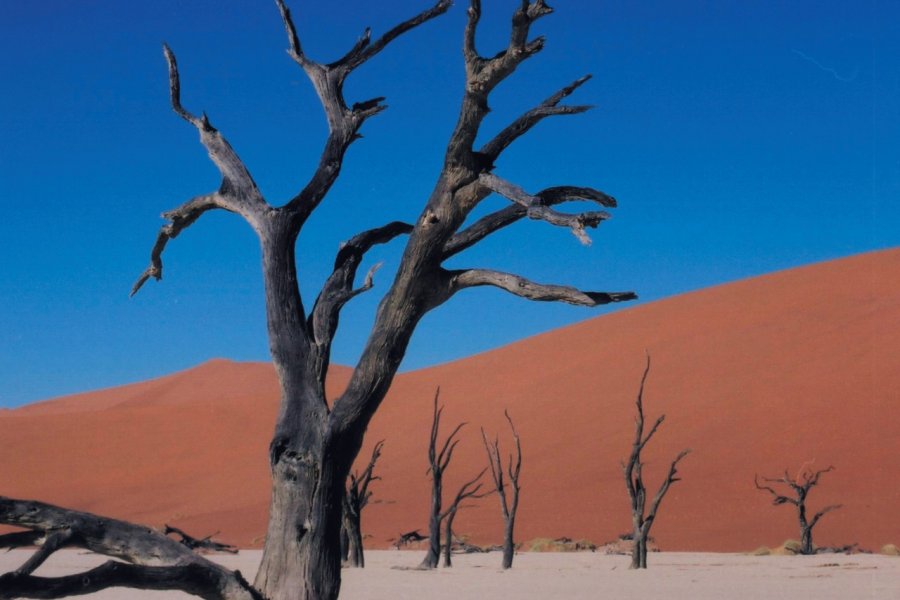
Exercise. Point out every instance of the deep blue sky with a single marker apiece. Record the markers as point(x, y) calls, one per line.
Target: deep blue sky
point(739, 137)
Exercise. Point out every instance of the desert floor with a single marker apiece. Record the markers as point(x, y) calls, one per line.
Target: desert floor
point(697, 576)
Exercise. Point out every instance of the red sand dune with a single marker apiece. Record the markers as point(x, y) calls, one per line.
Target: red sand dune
point(795, 368)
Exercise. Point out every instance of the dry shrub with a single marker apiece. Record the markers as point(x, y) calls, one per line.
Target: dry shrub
point(788, 548)
point(890, 550)
point(560, 545)
point(761, 551)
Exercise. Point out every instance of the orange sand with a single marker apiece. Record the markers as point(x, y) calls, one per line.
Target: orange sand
point(798, 367)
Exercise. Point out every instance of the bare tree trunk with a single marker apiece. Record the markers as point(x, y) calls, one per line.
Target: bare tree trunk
point(448, 539)
point(354, 556)
point(301, 558)
point(509, 546)
point(642, 516)
point(509, 503)
point(434, 529)
point(345, 544)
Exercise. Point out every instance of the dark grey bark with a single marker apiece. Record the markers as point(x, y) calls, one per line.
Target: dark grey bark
point(800, 486)
point(642, 515)
point(355, 500)
point(509, 502)
point(315, 444)
point(152, 561)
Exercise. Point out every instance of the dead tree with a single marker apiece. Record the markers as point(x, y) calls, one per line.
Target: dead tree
point(643, 517)
point(315, 440)
point(355, 500)
point(800, 486)
point(438, 461)
point(509, 504)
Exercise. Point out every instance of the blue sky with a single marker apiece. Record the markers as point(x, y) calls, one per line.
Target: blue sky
point(739, 137)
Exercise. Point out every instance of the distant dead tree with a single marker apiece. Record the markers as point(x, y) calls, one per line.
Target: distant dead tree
point(642, 518)
point(509, 504)
point(355, 500)
point(800, 486)
point(470, 489)
point(438, 461)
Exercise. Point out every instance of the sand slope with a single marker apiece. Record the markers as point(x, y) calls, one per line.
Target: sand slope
point(798, 367)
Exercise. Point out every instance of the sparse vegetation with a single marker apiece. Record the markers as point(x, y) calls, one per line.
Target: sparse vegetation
point(563, 544)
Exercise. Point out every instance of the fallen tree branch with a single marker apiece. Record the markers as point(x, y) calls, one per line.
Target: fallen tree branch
point(155, 561)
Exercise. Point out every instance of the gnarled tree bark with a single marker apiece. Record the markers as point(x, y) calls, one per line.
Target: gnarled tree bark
point(642, 516)
point(800, 486)
point(315, 443)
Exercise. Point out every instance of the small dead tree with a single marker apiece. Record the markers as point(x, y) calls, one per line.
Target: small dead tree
point(470, 489)
point(642, 517)
point(800, 486)
point(438, 460)
point(355, 500)
point(509, 504)
point(316, 439)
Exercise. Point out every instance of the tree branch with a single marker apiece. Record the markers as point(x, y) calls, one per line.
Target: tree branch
point(158, 562)
point(179, 219)
point(776, 497)
point(191, 578)
point(822, 513)
point(519, 286)
point(338, 288)
point(343, 122)
point(508, 215)
point(18, 539)
point(664, 487)
point(537, 208)
point(238, 190)
point(483, 75)
point(363, 51)
point(548, 108)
